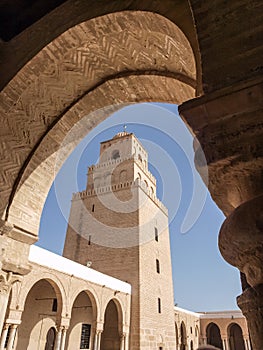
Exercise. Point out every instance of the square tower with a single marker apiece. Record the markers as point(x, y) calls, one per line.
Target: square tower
point(119, 225)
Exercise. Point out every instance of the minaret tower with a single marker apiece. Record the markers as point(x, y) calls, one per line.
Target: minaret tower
point(120, 226)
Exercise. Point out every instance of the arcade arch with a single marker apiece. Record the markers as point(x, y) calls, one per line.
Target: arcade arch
point(213, 335)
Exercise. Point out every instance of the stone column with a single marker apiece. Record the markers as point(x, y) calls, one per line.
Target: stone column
point(225, 342)
point(58, 339)
point(11, 337)
point(126, 342)
point(251, 304)
point(98, 340)
point(247, 343)
point(63, 338)
point(3, 336)
point(227, 124)
point(122, 342)
point(240, 243)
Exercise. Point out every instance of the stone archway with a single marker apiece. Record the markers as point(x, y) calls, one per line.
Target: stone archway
point(152, 54)
point(236, 341)
point(82, 323)
point(213, 335)
point(38, 317)
point(111, 335)
point(183, 337)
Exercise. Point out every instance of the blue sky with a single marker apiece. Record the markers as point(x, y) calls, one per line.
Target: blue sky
point(203, 281)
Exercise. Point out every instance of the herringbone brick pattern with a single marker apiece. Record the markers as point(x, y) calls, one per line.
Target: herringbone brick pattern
point(74, 64)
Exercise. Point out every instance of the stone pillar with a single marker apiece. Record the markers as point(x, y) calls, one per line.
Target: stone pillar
point(63, 338)
point(251, 304)
point(225, 342)
point(3, 336)
point(240, 243)
point(247, 343)
point(227, 124)
point(126, 342)
point(98, 340)
point(58, 339)
point(122, 342)
point(11, 337)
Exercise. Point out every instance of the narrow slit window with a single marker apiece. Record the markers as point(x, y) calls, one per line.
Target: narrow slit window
point(159, 306)
point(156, 234)
point(89, 241)
point(93, 208)
point(157, 266)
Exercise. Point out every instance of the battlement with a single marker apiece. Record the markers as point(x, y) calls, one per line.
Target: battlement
point(125, 185)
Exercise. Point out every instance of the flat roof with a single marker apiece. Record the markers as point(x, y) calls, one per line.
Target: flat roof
point(56, 262)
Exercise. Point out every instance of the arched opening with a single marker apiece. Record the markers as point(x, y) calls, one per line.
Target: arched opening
point(81, 328)
point(50, 339)
point(110, 338)
point(91, 89)
point(236, 341)
point(183, 337)
point(39, 317)
point(213, 335)
point(191, 345)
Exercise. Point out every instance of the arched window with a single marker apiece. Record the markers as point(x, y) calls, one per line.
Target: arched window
point(191, 345)
point(139, 176)
point(115, 154)
point(140, 157)
point(146, 183)
point(214, 336)
point(236, 341)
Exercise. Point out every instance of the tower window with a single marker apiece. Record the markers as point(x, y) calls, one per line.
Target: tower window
point(115, 154)
point(85, 336)
point(93, 208)
point(156, 234)
point(89, 241)
point(157, 266)
point(159, 306)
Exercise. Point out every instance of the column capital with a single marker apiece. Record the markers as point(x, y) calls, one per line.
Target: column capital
point(99, 326)
point(6, 281)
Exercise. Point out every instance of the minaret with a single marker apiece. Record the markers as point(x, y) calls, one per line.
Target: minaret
point(119, 225)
